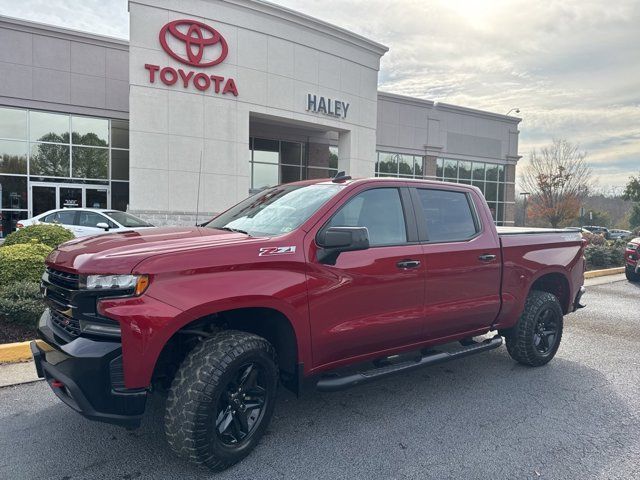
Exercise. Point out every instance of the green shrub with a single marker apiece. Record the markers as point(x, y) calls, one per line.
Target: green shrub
point(21, 303)
point(52, 235)
point(604, 256)
point(22, 262)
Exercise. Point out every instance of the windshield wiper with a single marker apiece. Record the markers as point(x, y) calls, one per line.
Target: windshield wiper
point(230, 229)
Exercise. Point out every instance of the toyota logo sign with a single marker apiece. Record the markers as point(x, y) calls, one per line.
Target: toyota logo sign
point(195, 38)
point(198, 45)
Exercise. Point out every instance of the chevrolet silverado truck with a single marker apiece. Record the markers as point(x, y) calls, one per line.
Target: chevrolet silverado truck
point(632, 260)
point(327, 284)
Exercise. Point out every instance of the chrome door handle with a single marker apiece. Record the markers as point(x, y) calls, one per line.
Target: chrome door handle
point(487, 257)
point(408, 264)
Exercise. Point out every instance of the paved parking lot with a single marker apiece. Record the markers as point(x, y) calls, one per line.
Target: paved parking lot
point(482, 417)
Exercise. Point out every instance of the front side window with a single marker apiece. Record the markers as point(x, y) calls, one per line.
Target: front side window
point(91, 219)
point(277, 210)
point(448, 215)
point(127, 220)
point(380, 211)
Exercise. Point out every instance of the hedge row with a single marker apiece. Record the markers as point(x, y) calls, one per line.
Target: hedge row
point(609, 255)
point(22, 258)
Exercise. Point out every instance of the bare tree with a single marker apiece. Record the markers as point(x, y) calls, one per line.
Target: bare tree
point(558, 179)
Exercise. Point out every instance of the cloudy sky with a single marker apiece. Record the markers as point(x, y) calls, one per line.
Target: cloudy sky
point(571, 66)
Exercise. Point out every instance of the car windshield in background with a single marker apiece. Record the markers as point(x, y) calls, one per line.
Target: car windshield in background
point(127, 220)
point(277, 210)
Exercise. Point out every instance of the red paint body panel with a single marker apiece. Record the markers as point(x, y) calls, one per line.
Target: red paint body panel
point(631, 255)
point(360, 308)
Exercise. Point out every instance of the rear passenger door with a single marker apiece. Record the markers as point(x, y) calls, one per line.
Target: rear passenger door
point(66, 218)
point(462, 260)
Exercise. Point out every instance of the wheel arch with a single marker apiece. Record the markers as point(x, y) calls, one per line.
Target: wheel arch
point(267, 322)
point(557, 284)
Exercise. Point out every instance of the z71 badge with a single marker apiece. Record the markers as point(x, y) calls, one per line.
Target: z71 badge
point(267, 251)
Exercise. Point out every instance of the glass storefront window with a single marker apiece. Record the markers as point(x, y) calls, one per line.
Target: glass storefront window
point(13, 192)
point(90, 162)
point(13, 157)
point(450, 169)
point(418, 163)
point(405, 165)
point(119, 134)
point(49, 160)
point(291, 153)
point(264, 175)
point(13, 123)
point(289, 174)
point(120, 164)
point(48, 127)
point(120, 196)
point(387, 164)
point(9, 219)
point(90, 131)
point(440, 168)
point(478, 171)
point(266, 151)
point(464, 170)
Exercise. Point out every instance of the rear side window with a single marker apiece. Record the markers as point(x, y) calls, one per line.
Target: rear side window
point(380, 210)
point(448, 215)
point(61, 217)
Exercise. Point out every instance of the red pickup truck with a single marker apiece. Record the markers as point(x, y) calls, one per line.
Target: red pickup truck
point(632, 260)
point(328, 284)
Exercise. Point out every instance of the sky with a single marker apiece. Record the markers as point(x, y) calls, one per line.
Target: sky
point(572, 67)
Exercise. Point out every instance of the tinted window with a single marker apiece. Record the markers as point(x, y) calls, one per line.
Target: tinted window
point(91, 219)
point(448, 215)
point(380, 210)
point(62, 217)
point(127, 220)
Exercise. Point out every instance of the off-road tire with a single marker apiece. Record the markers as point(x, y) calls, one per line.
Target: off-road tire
point(631, 275)
point(197, 389)
point(520, 339)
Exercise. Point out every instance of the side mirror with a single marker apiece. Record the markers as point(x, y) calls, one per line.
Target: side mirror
point(103, 225)
point(335, 240)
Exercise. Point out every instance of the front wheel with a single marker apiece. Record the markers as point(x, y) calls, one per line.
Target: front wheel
point(535, 339)
point(222, 398)
point(631, 274)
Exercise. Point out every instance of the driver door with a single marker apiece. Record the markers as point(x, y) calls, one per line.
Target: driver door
point(370, 300)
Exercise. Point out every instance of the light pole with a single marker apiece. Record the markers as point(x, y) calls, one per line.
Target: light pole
point(517, 110)
point(524, 216)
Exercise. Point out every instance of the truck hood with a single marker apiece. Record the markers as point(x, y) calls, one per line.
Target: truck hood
point(119, 253)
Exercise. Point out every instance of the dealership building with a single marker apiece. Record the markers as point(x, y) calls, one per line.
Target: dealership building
point(212, 100)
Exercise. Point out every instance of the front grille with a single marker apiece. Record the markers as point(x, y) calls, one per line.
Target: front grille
point(63, 279)
point(68, 324)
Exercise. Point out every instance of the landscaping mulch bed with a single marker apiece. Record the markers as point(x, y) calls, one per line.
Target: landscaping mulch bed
point(10, 333)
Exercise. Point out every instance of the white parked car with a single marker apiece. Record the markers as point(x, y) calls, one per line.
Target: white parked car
point(88, 221)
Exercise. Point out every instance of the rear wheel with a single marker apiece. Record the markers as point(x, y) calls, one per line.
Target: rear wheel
point(222, 398)
point(535, 339)
point(631, 274)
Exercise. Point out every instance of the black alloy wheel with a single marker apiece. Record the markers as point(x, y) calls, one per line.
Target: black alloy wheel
point(241, 405)
point(546, 331)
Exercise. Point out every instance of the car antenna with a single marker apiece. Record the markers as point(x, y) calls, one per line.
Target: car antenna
point(198, 197)
point(341, 177)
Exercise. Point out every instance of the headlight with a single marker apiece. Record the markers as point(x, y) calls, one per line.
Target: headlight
point(136, 283)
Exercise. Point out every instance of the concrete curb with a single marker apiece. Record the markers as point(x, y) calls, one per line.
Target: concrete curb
point(602, 273)
point(18, 352)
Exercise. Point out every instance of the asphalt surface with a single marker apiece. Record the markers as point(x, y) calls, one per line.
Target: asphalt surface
point(482, 417)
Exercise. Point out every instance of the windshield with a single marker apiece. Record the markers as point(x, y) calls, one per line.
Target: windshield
point(127, 220)
point(277, 210)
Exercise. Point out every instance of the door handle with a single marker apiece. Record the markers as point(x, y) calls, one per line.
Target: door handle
point(408, 264)
point(487, 257)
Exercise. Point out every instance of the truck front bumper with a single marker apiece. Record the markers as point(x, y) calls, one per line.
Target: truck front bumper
point(87, 375)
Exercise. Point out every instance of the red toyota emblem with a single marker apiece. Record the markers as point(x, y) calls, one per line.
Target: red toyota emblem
point(196, 37)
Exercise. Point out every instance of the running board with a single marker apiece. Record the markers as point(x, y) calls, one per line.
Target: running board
point(336, 383)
